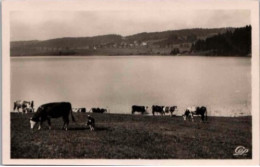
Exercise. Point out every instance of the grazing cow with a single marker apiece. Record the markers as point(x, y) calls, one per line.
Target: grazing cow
point(82, 110)
point(91, 123)
point(141, 109)
point(26, 106)
point(190, 112)
point(52, 110)
point(99, 110)
point(79, 109)
point(159, 109)
point(170, 109)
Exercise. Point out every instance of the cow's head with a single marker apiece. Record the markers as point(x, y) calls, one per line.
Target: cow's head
point(32, 123)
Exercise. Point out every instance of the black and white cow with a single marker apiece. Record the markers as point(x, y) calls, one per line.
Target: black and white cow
point(82, 110)
point(26, 106)
point(98, 110)
point(140, 109)
point(190, 112)
point(170, 109)
point(159, 109)
point(52, 110)
point(79, 109)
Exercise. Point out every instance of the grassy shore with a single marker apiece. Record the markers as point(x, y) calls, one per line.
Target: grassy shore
point(119, 136)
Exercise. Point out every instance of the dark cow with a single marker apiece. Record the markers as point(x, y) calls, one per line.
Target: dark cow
point(52, 110)
point(99, 110)
point(26, 106)
point(170, 109)
point(190, 112)
point(141, 109)
point(159, 109)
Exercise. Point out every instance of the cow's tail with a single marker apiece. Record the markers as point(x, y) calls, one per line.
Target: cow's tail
point(72, 117)
point(206, 117)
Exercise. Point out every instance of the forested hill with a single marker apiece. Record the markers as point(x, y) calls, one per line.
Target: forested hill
point(162, 43)
point(237, 42)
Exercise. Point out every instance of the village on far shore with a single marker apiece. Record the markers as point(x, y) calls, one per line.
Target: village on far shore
point(209, 42)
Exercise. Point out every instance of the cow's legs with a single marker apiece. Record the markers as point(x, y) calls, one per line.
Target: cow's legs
point(192, 119)
point(23, 110)
point(66, 123)
point(18, 109)
point(65, 126)
point(40, 125)
point(202, 117)
point(49, 123)
point(91, 127)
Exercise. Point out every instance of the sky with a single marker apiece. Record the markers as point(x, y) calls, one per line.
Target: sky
point(58, 24)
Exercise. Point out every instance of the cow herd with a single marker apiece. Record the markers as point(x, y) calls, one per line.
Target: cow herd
point(63, 109)
point(28, 107)
point(93, 110)
point(189, 113)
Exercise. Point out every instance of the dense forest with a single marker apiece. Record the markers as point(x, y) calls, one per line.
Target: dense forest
point(230, 43)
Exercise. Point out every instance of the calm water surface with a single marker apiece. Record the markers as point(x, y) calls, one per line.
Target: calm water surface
point(223, 84)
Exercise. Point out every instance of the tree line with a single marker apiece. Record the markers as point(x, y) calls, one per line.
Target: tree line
point(230, 43)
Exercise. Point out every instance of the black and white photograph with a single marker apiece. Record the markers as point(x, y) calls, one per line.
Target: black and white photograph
point(157, 80)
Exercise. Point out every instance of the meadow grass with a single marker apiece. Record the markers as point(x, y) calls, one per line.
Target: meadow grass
point(122, 136)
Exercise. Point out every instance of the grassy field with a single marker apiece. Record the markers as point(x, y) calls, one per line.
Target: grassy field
point(132, 137)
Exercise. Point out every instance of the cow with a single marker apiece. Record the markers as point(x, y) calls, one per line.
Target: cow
point(82, 110)
point(52, 110)
point(159, 109)
point(91, 123)
point(170, 109)
point(26, 106)
point(190, 112)
point(98, 110)
point(79, 109)
point(141, 109)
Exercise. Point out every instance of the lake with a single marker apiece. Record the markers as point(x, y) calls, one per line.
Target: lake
point(222, 84)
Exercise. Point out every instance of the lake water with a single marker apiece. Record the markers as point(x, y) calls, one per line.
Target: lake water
point(222, 84)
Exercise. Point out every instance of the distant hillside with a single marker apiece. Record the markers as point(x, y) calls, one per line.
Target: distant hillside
point(237, 42)
point(163, 43)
